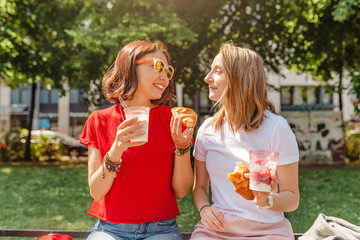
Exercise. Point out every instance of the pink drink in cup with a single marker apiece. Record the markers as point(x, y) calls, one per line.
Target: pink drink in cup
point(262, 169)
point(142, 113)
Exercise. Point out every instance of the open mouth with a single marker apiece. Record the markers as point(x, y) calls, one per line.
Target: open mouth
point(160, 87)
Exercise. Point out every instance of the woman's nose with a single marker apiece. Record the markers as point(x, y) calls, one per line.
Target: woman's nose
point(164, 78)
point(208, 78)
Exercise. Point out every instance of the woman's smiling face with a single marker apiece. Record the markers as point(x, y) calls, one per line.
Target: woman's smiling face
point(151, 84)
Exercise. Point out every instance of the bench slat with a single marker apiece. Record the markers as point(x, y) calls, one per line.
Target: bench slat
point(73, 234)
point(40, 233)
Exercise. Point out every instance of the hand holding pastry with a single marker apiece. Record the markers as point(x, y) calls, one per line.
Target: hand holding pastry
point(187, 116)
point(241, 182)
point(182, 139)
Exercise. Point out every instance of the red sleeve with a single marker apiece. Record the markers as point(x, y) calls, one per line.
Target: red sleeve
point(89, 134)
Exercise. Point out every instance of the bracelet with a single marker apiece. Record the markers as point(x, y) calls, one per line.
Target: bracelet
point(180, 147)
point(180, 152)
point(112, 162)
point(203, 207)
point(110, 165)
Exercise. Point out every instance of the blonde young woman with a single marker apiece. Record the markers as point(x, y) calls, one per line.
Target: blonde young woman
point(245, 120)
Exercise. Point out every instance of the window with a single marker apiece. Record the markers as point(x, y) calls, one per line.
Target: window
point(20, 96)
point(326, 97)
point(15, 96)
point(286, 93)
point(305, 98)
point(25, 96)
point(54, 96)
point(74, 96)
point(44, 96)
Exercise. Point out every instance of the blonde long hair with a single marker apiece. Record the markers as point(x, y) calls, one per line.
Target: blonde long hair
point(244, 99)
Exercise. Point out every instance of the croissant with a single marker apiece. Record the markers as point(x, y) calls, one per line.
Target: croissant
point(187, 115)
point(240, 182)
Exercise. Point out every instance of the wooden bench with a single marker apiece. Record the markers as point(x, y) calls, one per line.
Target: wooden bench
point(73, 234)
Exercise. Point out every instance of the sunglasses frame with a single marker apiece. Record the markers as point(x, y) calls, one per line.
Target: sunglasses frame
point(154, 60)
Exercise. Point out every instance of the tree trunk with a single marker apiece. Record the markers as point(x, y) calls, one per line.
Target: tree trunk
point(29, 122)
point(340, 90)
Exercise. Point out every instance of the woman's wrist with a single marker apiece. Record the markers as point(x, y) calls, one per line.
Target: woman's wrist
point(111, 161)
point(203, 208)
point(115, 153)
point(182, 146)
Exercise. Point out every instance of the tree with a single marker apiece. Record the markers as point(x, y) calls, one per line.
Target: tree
point(344, 11)
point(193, 35)
point(34, 45)
point(326, 44)
point(106, 26)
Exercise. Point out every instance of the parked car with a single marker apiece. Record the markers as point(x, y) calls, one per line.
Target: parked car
point(71, 144)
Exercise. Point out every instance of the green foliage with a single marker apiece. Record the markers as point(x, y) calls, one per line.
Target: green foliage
point(42, 147)
point(325, 46)
point(76, 41)
point(344, 9)
point(106, 26)
point(33, 43)
point(355, 80)
point(352, 144)
point(34, 46)
point(193, 35)
point(353, 147)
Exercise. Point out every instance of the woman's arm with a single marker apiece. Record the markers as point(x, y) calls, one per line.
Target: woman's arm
point(99, 177)
point(182, 176)
point(99, 185)
point(287, 200)
point(201, 185)
point(209, 215)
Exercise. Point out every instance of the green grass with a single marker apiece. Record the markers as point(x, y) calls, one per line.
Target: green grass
point(58, 198)
point(334, 192)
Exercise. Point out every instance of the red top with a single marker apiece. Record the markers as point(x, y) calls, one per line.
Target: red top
point(142, 191)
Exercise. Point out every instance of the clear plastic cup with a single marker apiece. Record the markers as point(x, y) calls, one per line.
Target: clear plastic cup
point(262, 169)
point(142, 113)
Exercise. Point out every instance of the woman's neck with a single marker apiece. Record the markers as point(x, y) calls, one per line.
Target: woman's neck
point(137, 103)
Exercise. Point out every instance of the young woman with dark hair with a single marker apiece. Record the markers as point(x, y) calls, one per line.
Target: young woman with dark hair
point(135, 184)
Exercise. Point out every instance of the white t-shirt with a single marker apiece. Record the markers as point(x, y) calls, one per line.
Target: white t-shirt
point(222, 149)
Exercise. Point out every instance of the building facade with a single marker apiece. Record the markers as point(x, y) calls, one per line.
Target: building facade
point(314, 115)
point(58, 113)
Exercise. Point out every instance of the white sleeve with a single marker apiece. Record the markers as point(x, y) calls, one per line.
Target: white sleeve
point(199, 149)
point(285, 143)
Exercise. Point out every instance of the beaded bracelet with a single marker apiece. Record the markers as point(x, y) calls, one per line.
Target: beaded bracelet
point(112, 162)
point(110, 165)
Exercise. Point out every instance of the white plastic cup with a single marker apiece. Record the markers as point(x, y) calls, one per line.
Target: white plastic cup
point(262, 169)
point(142, 113)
